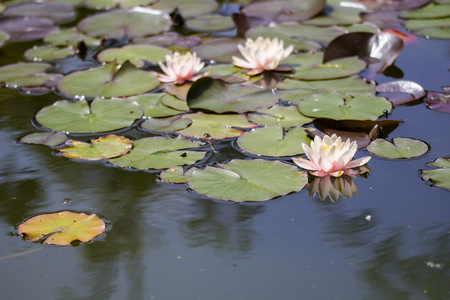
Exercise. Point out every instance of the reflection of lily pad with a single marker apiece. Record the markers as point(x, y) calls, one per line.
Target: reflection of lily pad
point(136, 54)
point(80, 117)
point(440, 177)
point(126, 23)
point(400, 148)
point(218, 96)
point(51, 139)
point(274, 141)
point(340, 107)
point(106, 81)
point(215, 126)
point(101, 148)
point(160, 153)
point(285, 116)
point(247, 180)
point(62, 228)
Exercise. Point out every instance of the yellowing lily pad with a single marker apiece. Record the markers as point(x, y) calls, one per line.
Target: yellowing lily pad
point(400, 148)
point(62, 228)
point(101, 148)
point(80, 117)
point(247, 180)
point(341, 107)
point(160, 153)
point(274, 141)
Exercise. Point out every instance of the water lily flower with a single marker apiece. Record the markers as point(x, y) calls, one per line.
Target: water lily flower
point(261, 54)
point(331, 156)
point(180, 68)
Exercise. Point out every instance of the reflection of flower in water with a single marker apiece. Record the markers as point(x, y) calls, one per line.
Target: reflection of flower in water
point(332, 187)
point(331, 156)
point(180, 68)
point(261, 54)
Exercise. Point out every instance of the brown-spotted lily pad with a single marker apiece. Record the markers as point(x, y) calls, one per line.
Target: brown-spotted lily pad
point(101, 148)
point(62, 228)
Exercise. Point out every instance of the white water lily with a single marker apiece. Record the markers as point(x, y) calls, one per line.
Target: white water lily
point(180, 68)
point(331, 156)
point(261, 54)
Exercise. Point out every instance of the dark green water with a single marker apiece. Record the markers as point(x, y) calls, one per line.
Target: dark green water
point(164, 242)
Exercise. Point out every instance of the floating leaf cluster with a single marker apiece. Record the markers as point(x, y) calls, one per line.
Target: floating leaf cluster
point(104, 66)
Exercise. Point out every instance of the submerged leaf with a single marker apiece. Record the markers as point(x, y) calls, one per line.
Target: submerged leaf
point(62, 228)
point(247, 180)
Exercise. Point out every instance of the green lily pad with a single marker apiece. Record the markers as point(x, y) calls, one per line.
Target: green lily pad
point(218, 96)
point(285, 116)
point(188, 9)
point(170, 124)
point(136, 54)
point(101, 148)
point(48, 53)
point(215, 126)
point(152, 105)
point(435, 32)
point(316, 33)
point(57, 12)
point(4, 37)
point(176, 175)
point(210, 23)
point(70, 37)
point(341, 107)
point(336, 68)
point(108, 4)
point(80, 117)
point(26, 74)
point(62, 228)
point(247, 180)
point(51, 139)
point(274, 141)
point(106, 81)
point(337, 15)
point(174, 102)
point(399, 148)
point(218, 49)
point(421, 24)
point(440, 177)
point(160, 153)
point(126, 23)
point(430, 11)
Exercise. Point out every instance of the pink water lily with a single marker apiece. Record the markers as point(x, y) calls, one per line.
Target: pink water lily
point(261, 54)
point(331, 156)
point(180, 68)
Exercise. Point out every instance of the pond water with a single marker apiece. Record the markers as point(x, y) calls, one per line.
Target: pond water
point(391, 241)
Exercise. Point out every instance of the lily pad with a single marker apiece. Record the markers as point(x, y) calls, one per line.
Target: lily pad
point(176, 174)
point(187, 9)
point(101, 148)
point(160, 153)
point(337, 68)
point(340, 107)
point(174, 102)
point(108, 81)
point(51, 139)
point(438, 101)
point(170, 124)
point(285, 116)
point(215, 126)
point(80, 117)
point(136, 54)
point(4, 37)
point(131, 23)
point(70, 37)
point(108, 4)
point(57, 12)
point(409, 91)
point(62, 228)
point(399, 148)
point(218, 96)
point(337, 15)
point(152, 105)
point(430, 11)
point(274, 141)
point(210, 23)
point(218, 49)
point(247, 180)
point(440, 177)
point(26, 29)
point(421, 24)
point(26, 74)
point(435, 32)
point(48, 53)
